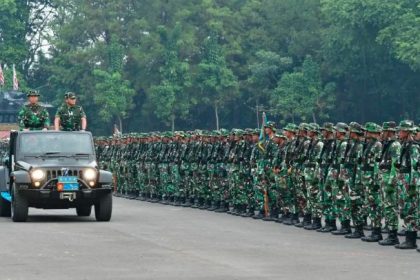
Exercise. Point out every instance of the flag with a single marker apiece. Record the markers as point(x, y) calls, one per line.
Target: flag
point(15, 79)
point(1, 76)
point(262, 137)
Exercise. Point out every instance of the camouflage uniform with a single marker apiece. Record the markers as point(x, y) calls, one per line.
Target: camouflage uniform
point(70, 117)
point(391, 153)
point(370, 181)
point(351, 176)
point(312, 180)
point(33, 116)
point(408, 186)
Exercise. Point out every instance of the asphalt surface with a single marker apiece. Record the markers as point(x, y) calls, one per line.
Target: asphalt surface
point(154, 241)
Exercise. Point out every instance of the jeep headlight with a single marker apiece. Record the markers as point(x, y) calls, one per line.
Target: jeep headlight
point(38, 175)
point(89, 174)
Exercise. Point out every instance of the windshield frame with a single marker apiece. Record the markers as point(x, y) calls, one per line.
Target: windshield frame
point(20, 155)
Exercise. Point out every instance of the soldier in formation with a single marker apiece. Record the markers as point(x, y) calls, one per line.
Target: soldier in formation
point(344, 175)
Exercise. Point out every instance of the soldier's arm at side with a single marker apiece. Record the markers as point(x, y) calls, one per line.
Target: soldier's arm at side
point(57, 123)
point(57, 119)
point(84, 123)
point(83, 118)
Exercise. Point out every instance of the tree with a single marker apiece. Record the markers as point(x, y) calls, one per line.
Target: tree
point(302, 95)
point(403, 34)
point(170, 97)
point(113, 96)
point(265, 74)
point(217, 82)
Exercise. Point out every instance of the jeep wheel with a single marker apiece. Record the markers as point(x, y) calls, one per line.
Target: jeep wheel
point(5, 210)
point(19, 206)
point(103, 208)
point(84, 210)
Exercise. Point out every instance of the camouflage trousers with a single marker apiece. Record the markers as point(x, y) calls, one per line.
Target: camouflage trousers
point(355, 195)
point(313, 206)
point(290, 197)
point(259, 187)
point(389, 192)
point(408, 201)
point(300, 189)
point(373, 203)
point(341, 195)
point(327, 196)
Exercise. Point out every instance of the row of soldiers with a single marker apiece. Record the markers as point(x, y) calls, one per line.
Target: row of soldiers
point(349, 173)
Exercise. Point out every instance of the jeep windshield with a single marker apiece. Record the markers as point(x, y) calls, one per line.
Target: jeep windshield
point(55, 144)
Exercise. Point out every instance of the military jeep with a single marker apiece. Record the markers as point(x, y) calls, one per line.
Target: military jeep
point(53, 170)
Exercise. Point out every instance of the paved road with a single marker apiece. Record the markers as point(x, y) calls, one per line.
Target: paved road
point(153, 241)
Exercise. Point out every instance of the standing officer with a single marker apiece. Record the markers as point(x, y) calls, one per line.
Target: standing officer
point(33, 116)
point(70, 117)
point(408, 197)
point(391, 153)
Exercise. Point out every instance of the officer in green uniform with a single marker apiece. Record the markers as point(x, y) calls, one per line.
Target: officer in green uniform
point(351, 176)
point(33, 116)
point(290, 207)
point(407, 185)
point(391, 153)
point(70, 117)
point(370, 180)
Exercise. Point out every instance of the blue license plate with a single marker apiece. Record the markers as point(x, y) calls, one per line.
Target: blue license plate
point(69, 183)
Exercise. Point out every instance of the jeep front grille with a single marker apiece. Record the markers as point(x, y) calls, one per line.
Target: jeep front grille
point(55, 173)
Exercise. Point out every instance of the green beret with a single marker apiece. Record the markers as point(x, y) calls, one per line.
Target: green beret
point(291, 127)
point(32, 93)
point(270, 124)
point(341, 127)
point(356, 128)
point(390, 126)
point(314, 127)
point(328, 126)
point(373, 127)
point(224, 132)
point(70, 95)
point(406, 125)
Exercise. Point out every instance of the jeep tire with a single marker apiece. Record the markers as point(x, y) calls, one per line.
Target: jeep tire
point(19, 206)
point(103, 208)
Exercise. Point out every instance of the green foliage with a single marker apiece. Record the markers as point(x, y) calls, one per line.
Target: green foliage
point(302, 96)
point(170, 97)
point(113, 95)
point(157, 62)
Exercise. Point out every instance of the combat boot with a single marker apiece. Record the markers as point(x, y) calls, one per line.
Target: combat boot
point(177, 201)
point(222, 208)
point(204, 205)
point(283, 217)
point(214, 205)
point(307, 218)
point(401, 232)
point(385, 229)
point(410, 241)
point(292, 220)
point(165, 200)
point(316, 224)
point(345, 228)
point(248, 213)
point(237, 210)
point(196, 203)
point(357, 233)
point(392, 239)
point(187, 203)
point(329, 226)
point(375, 236)
point(258, 215)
